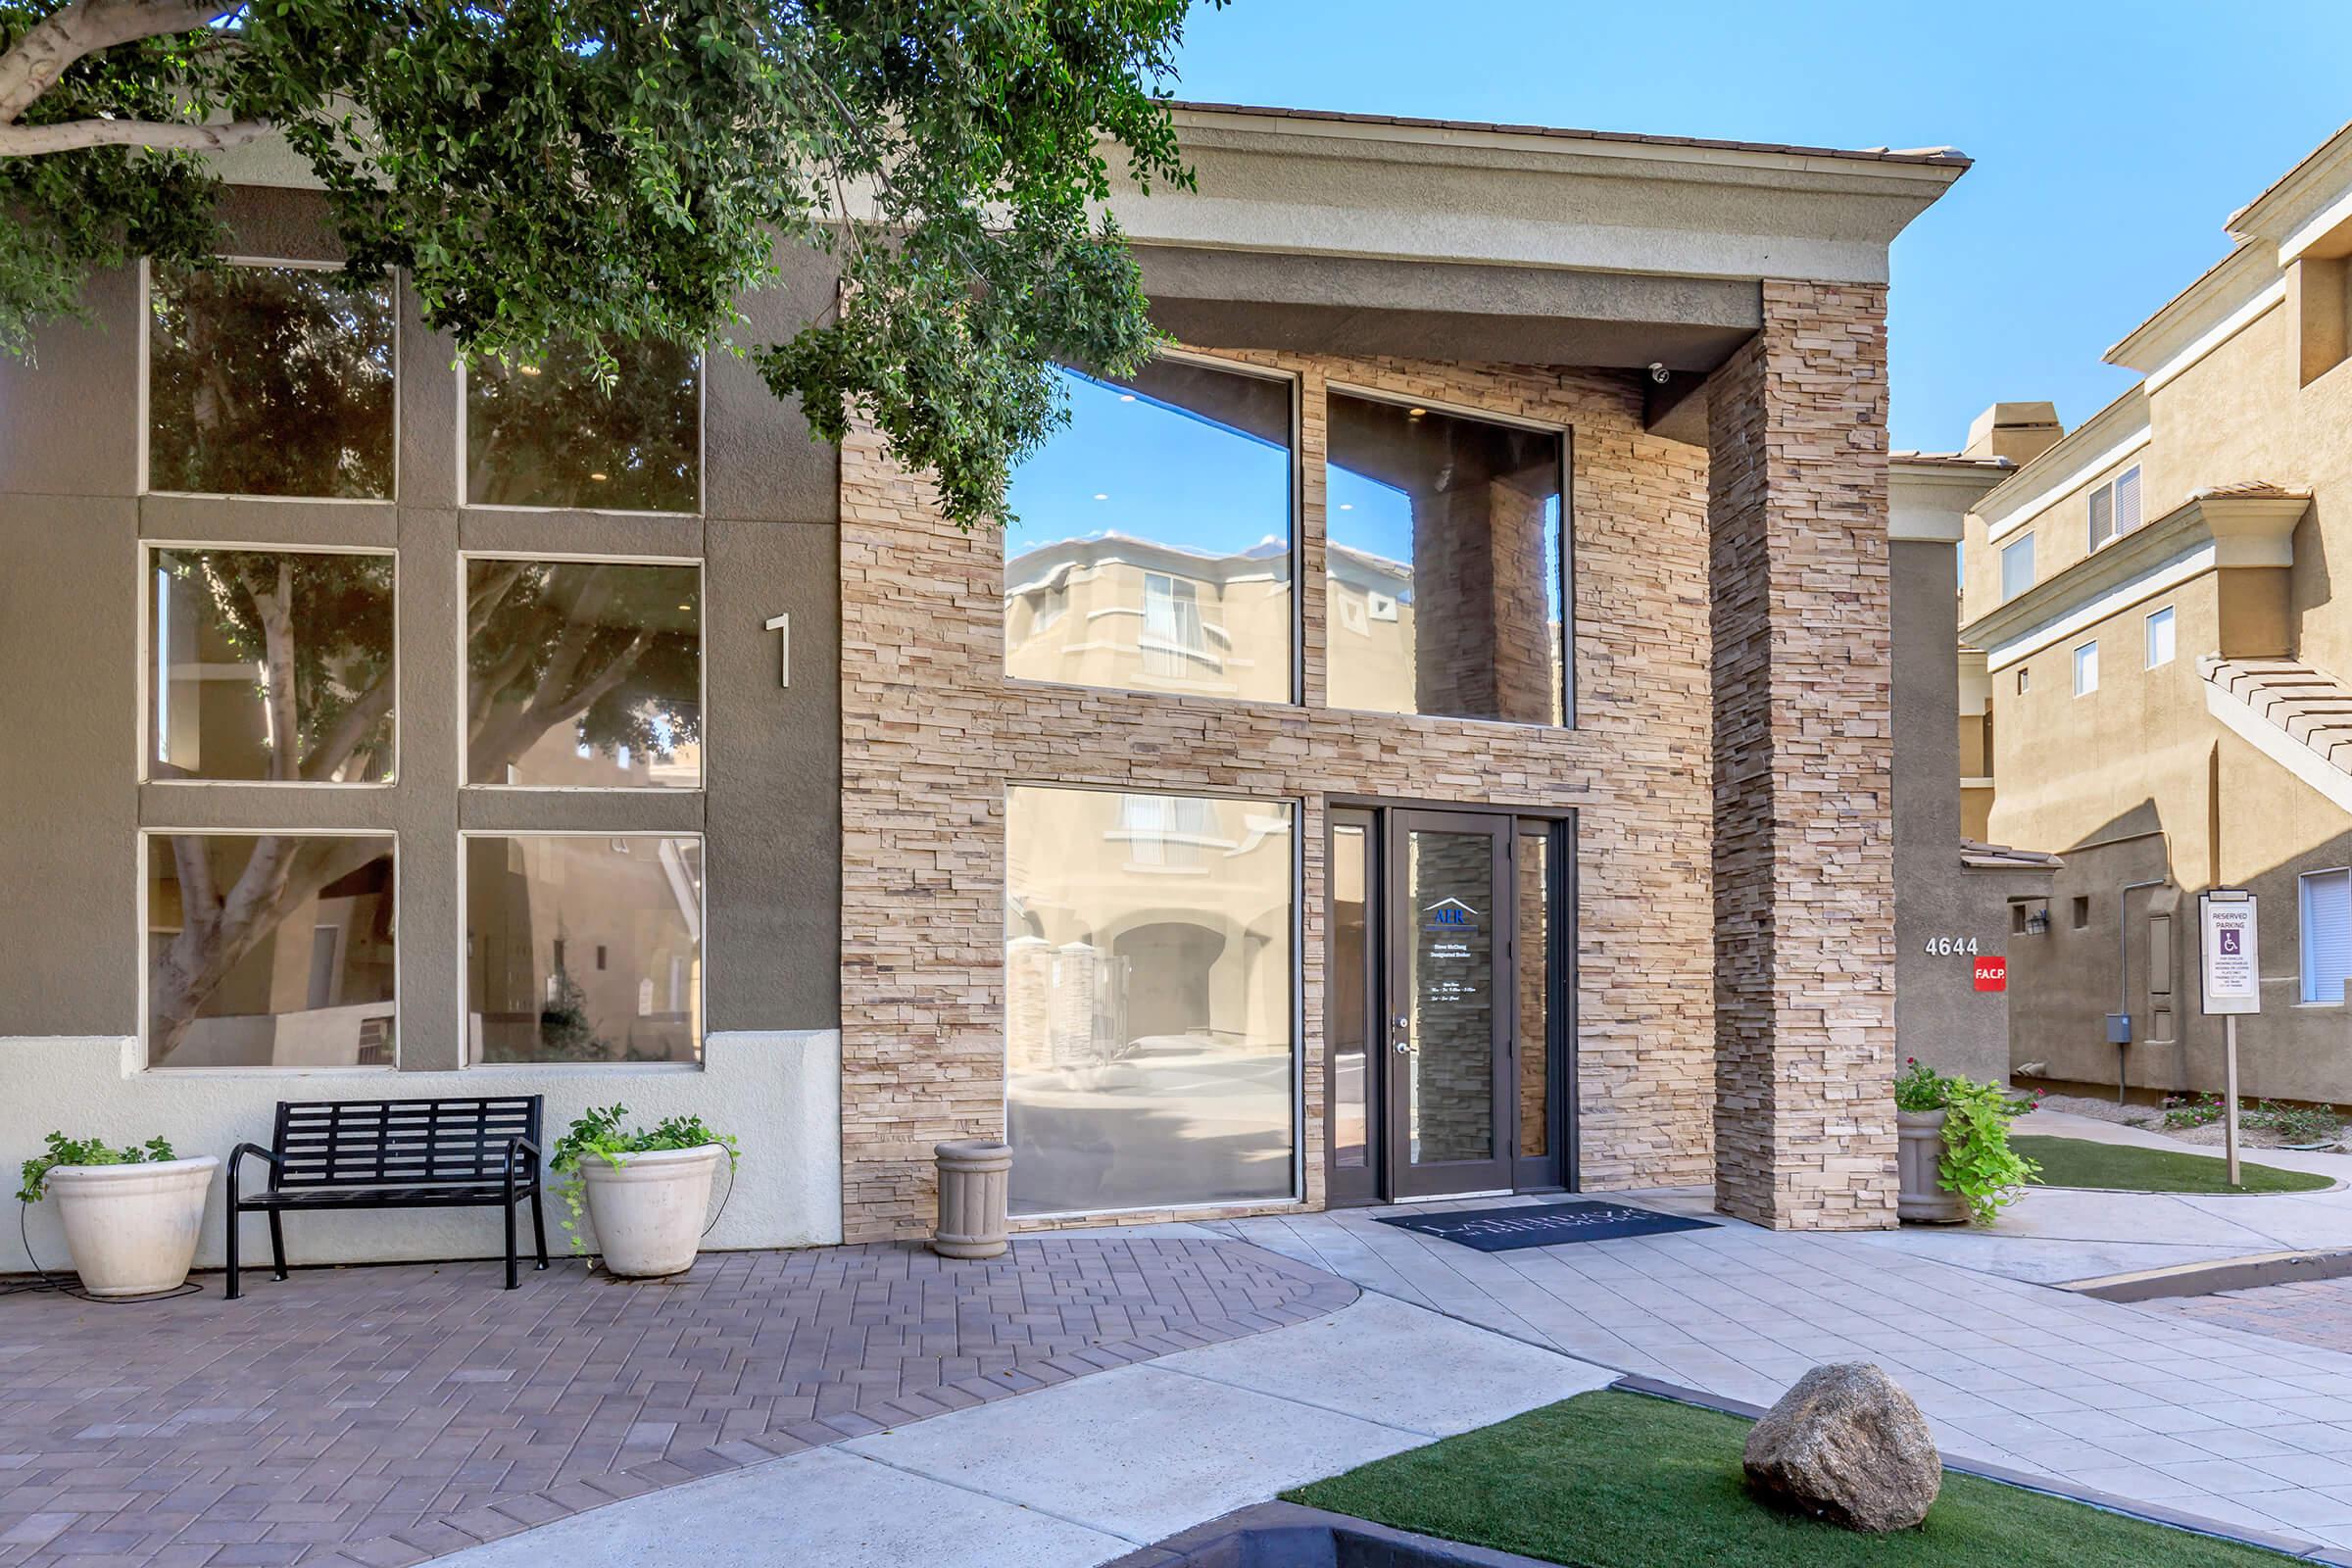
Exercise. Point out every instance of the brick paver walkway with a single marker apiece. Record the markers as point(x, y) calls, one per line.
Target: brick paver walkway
point(2309, 1313)
point(387, 1415)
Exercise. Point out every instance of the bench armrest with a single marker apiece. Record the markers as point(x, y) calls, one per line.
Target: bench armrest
point(517, 1145)
point(238, 1155)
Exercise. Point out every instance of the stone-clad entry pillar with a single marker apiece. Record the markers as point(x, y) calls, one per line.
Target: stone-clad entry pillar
point(1804, 840)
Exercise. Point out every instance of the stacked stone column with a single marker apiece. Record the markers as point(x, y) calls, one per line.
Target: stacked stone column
point(1804, 842)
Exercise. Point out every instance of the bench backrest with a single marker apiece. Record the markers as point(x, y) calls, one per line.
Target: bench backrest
point(368, 1143)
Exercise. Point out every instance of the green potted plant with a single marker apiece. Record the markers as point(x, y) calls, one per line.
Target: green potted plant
point(646, 1191)
point(131, 1214)
point(1952, 1152)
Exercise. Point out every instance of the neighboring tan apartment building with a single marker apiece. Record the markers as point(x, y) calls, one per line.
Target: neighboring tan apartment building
point(1432, 733)
point(2167, 658)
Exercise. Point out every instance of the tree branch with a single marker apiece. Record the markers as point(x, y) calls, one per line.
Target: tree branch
point(85, 27)
point(75, 136)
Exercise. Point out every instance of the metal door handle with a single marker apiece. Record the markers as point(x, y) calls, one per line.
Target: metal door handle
point(1404, 1047)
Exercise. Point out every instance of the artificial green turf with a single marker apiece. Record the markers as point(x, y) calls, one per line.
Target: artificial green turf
point(1610, 1479)
point(2125, 1167)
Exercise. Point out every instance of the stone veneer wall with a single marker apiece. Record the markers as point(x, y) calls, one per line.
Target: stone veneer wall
point(932, 732)
point(1804, 845)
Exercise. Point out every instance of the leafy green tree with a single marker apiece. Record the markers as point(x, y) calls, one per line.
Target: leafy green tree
point(549, 172)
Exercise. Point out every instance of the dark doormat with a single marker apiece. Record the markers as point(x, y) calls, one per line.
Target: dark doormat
point(1506, 1230)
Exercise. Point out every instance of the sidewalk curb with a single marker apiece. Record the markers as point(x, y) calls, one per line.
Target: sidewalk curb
point(2251, 1272)
point(2131, 1507)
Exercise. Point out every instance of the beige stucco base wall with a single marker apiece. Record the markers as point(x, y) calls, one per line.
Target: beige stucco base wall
point(779, 1094)
point(932, 733)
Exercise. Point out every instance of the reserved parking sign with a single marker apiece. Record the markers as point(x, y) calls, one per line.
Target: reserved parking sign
point(2233, 959)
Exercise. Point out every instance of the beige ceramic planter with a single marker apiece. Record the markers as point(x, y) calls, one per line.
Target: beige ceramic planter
point(649, 1209)
point(975, 1181)
point(1919, 1152)
point(132, 1228)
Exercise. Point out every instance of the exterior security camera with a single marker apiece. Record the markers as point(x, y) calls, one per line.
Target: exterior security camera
point(1659, 372)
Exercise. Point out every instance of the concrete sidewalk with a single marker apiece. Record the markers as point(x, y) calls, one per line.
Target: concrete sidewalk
point(2053, 1235)
point(1088, 1470)
point(2244, 1429)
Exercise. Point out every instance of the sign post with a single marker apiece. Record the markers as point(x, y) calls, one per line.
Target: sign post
point(2232, 985)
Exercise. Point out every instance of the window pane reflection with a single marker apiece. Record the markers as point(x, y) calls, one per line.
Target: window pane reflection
point(546, 434)
point(1535, 994)
point(1148, 976)
point(584, 949)
point(1351, 1016)
point(269, 951)
point(274, 665)
point(1444, 578)
point(583, 674)
point(1152, 543)
point(1450, 991)
point(270, 381)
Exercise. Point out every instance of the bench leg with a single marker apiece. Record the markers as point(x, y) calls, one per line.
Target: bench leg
point(230, 1248)
point(277, 1244)
point(514, 1280)
point(539, 1227)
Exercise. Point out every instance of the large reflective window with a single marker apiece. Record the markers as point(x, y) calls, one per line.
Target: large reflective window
point(1149, 975)
point(272, 665)
point(583, 674)
point(1150, 547)
point(270, 381)
point(1444, 579)
point(582, 948)
point(547, 434)
point(269, 951)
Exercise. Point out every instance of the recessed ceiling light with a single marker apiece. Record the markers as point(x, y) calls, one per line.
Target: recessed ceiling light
point(526, 370)
point(685, 607)
point(1414, 413)
point(598, 477)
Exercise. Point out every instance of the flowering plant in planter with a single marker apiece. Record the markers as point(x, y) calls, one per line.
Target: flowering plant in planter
point(63, 1151)
point(1977, 1164)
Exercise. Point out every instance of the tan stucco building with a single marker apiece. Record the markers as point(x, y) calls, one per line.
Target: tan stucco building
point(2166, 655)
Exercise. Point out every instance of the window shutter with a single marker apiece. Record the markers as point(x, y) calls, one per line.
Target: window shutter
point(2126, 501)
point(2327, 935)
point(2102, 515)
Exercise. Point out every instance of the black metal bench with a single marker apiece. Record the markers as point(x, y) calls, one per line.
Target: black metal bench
point(395, 1153)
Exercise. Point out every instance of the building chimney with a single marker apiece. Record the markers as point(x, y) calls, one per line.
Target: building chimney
point(2017, 431)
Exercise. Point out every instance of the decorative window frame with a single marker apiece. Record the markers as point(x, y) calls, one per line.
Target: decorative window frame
point(1566, 433)
point(150, 686)
point(393, 281)
point(147, 836)
point(702, 665)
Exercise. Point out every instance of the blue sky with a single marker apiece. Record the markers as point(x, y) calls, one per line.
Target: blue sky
point(2111, 140)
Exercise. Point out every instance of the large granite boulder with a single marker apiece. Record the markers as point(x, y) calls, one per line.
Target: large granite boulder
point(1846, 1445)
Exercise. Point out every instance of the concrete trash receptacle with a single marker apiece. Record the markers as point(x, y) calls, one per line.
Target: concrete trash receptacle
point(975, 1181)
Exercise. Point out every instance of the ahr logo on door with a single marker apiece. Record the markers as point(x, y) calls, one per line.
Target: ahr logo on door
point(1451, 915)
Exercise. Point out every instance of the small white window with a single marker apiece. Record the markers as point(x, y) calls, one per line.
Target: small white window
point(2086, 669)
point(2016, 567)
point(2115, 508)
point(2024, 679)
point(2327, 911)
point(2160, 638)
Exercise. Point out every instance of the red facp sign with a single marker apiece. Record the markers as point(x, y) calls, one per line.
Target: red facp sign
point(1993, 974)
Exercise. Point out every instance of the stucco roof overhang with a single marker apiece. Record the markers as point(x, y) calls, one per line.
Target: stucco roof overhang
point(2250, 523)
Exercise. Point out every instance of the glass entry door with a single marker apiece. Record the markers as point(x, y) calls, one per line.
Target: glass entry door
point(1449, 1010)
point(1448, 1003)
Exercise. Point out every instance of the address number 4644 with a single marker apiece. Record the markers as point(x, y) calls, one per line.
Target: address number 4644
point(1952, 947)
